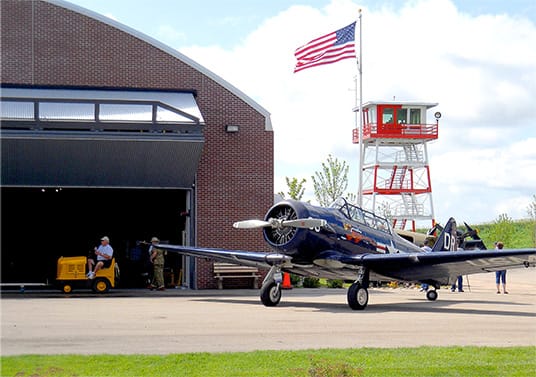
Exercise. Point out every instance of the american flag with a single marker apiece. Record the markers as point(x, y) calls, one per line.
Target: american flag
point(327, 49)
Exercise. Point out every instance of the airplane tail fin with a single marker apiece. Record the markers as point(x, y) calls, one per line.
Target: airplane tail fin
point(447, 240)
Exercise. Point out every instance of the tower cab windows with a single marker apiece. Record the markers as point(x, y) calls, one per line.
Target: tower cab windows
point(400, 115)
point(388, 116)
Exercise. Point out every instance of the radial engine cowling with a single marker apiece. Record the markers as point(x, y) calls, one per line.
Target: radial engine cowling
point(285, 238)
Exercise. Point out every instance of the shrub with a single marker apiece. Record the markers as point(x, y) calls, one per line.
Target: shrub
point(334, 283)
point(310, 282)
point(296, 280)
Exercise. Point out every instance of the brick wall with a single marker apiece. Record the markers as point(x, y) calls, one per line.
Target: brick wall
point(46, 45)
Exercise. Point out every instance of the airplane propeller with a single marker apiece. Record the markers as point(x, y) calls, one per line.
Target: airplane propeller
point(471, 232)
point(280, 223)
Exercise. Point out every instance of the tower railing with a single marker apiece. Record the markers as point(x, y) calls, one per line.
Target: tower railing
point(397, 131)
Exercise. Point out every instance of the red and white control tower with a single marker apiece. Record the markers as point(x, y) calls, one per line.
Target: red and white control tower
point(394, 169)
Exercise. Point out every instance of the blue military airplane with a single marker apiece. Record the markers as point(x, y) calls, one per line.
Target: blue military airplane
point(346, 242)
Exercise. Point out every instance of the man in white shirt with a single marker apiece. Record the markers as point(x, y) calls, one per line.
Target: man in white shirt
point(103, 258)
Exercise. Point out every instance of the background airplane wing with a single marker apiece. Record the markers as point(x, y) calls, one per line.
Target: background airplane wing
point(443, 264)
point(246, 258)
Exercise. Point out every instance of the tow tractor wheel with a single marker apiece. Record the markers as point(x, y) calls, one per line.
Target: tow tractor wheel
point(101, 285)
point(357, 297)
point(67, 288)
point(271, 293)
point(431, 295)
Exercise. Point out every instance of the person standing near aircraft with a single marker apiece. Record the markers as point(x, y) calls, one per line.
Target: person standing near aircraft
point(427, 247)
point(459, 278)
point(460, 285)
point(102, 259)
point(500, 276)
point(157, 259)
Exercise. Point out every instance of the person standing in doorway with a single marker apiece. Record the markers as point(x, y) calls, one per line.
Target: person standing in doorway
point(157, 259)
point(500, 276)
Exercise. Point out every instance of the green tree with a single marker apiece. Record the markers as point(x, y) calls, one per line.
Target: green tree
point(351, 197)
point(504, 229)
point(331, 182)
point(531, 210)
point(296, 188)
point(384, 209)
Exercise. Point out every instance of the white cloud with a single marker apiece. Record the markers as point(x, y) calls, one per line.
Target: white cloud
point(481, 70)
point(169, 34)
point(111, 16)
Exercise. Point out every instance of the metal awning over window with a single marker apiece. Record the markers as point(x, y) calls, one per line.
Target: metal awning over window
point(106, 138)
point(101, 110)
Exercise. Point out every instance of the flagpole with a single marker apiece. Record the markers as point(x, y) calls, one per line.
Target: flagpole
point(360, 115)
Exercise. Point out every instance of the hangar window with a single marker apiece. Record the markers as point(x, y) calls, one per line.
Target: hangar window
point(17, 110)
point(65, 111)
point(105, 110)
point(127, 112)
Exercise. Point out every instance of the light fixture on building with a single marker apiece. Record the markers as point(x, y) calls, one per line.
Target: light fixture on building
point(231, 128)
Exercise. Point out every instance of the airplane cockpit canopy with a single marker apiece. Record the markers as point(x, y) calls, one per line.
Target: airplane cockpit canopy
point(355, 213)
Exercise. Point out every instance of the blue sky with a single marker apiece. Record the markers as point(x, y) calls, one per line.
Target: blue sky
point(475, 58)
point(226, 23)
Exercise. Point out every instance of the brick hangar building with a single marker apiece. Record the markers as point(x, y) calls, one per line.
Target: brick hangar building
point(106, 131)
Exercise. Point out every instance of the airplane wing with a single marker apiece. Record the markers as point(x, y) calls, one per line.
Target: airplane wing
point(442, 264)
point(438, 266)
point(246, 258)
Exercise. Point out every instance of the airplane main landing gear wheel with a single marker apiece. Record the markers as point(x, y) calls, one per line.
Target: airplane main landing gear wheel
point(431, 295)
point(357, 297)
point(271, 294)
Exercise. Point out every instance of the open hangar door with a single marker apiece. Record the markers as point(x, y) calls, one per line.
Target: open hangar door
point(41, 224)
point(81, 163)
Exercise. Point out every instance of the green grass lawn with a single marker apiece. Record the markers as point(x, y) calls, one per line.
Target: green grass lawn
point(421, 361)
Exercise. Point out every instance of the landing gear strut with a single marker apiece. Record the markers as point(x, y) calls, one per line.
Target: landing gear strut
point(358, 291)
point(271, 287)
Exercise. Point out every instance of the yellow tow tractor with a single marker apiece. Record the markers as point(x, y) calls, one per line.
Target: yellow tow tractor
point(71, 273)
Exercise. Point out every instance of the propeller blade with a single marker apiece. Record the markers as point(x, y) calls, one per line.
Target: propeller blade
point(472, 232)
point(251, 224)
point(305, 223)
point(274, 223)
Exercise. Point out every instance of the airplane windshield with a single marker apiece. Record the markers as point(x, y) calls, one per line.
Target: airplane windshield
point(360, 215)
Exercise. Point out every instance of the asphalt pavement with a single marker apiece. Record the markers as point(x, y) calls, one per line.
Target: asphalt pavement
point(179, 321)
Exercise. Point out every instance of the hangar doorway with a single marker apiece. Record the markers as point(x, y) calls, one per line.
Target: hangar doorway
point(41, 224)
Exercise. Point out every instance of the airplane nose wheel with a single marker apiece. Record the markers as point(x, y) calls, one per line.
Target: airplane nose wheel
point(357, 296)
point(271, 293)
